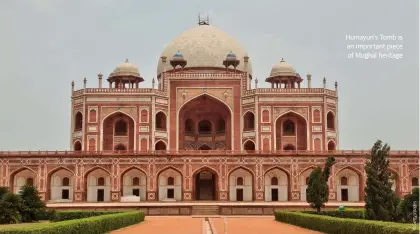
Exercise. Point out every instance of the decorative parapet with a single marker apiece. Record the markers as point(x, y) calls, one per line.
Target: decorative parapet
point(117, 90)
point(351, 153)
point(290, 91)
point(208, 75)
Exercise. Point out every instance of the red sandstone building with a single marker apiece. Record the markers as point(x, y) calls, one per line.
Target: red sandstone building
point(200, 133)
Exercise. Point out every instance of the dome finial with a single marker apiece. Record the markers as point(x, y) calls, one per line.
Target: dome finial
point(126, 60)
point(203, 21)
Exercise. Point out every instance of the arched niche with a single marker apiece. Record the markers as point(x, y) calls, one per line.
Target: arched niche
point(98, 185)
point(348, 184)
point(276, 183)
point(242, 191)
point(61, 185)
point(133, 185)
point(170, 185)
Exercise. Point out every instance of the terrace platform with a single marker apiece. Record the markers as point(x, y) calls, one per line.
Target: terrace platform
point(212, 209)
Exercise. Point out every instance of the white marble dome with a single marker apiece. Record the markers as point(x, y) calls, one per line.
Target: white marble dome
point(204, 46)
point(126, 69)
point(282, 69)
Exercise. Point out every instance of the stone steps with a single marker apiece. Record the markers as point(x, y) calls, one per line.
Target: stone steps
point(205, 210)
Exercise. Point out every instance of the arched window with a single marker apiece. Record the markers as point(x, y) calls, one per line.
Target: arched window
point(136, 181)
point(78, 122)
point(171, 181)
point(92, 116)
point(331, 145)
point(143, 117)
point(204, 127)
point(101, 181)
point(330, 121)
point(161, 121)
point(317, 116)
point(189, 126)
point(265, 116)
point(120, 147)
point(289, 147)
point(249, 145)
point(239, 181)
point(30, 181)
point(289, 128)
point(274, 181)
point(160, 146)
point(77, 146)
point(65, 181)
point(121, 128)
point(249, 121)
point(221, 126)
point(414, 182)
point(307, 180)
point(343, 180)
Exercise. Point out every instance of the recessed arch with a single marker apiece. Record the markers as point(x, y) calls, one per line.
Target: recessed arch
point(94, 190)
point(17, 171)
point(131, 191)
point(166, 191)
point(161, 121)
point(243, 192)
point(78, 121)
point(353, 191)
point(160, 145)
point(204, 147)
point(281, 190)
point(77, 145)
point(249, 145)
point(131, 131)
point(303, 146)
point(331, 145)
point(231, 122)
point(54, 195)
point(330, 120)
point(304, 181)
point(249, 120)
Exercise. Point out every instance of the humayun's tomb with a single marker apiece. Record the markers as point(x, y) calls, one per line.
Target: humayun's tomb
point(199, 133)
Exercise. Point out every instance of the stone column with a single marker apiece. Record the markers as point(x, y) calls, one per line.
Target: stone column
point(309, 80)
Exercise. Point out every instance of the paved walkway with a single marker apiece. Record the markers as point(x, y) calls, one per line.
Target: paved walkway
point(265, 225)
point(192, 225)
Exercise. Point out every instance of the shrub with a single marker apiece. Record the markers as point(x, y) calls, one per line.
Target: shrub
point(9, 208)
point(91, 225)
point(348, 213)
point(32, 205)
point(77, 214)
point(334, 225)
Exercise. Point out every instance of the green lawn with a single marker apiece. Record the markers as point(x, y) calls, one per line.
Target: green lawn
point(19, 225)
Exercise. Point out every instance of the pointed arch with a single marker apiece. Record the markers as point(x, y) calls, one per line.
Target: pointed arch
point(18, 170)
point(49, 179)
point(282, 115)
point(95, 168)
point(331, 145)
point(330, 120)
point(160, 145)
point(204, 146)
point(249, 145)
point(177, 189)
point(279, 186)
point(77, 145)
point(360, 190)
point(161, 121)
point(111, 114)
point(78, 121)
point(249, 121)
point(233, 193)
point(232, 124)
point(128, 190)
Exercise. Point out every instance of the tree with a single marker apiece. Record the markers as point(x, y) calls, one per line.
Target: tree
point(379, 196)
point(32, 205)
point(408, 209)
point(317, 191)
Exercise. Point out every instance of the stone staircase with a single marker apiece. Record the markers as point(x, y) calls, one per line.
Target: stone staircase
point(205, 210)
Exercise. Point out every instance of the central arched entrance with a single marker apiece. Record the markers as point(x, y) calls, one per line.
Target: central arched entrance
point(205, 120)
point(205, 185)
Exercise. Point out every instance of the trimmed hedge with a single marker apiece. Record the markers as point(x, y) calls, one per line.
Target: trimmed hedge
point(91, 225)
point(63, 215)
point(348, 213)
point(334, 225)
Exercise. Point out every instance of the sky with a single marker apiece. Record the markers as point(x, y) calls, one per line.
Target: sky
point(45, 44)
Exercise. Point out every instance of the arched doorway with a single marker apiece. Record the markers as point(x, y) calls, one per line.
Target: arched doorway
point(205, 185)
